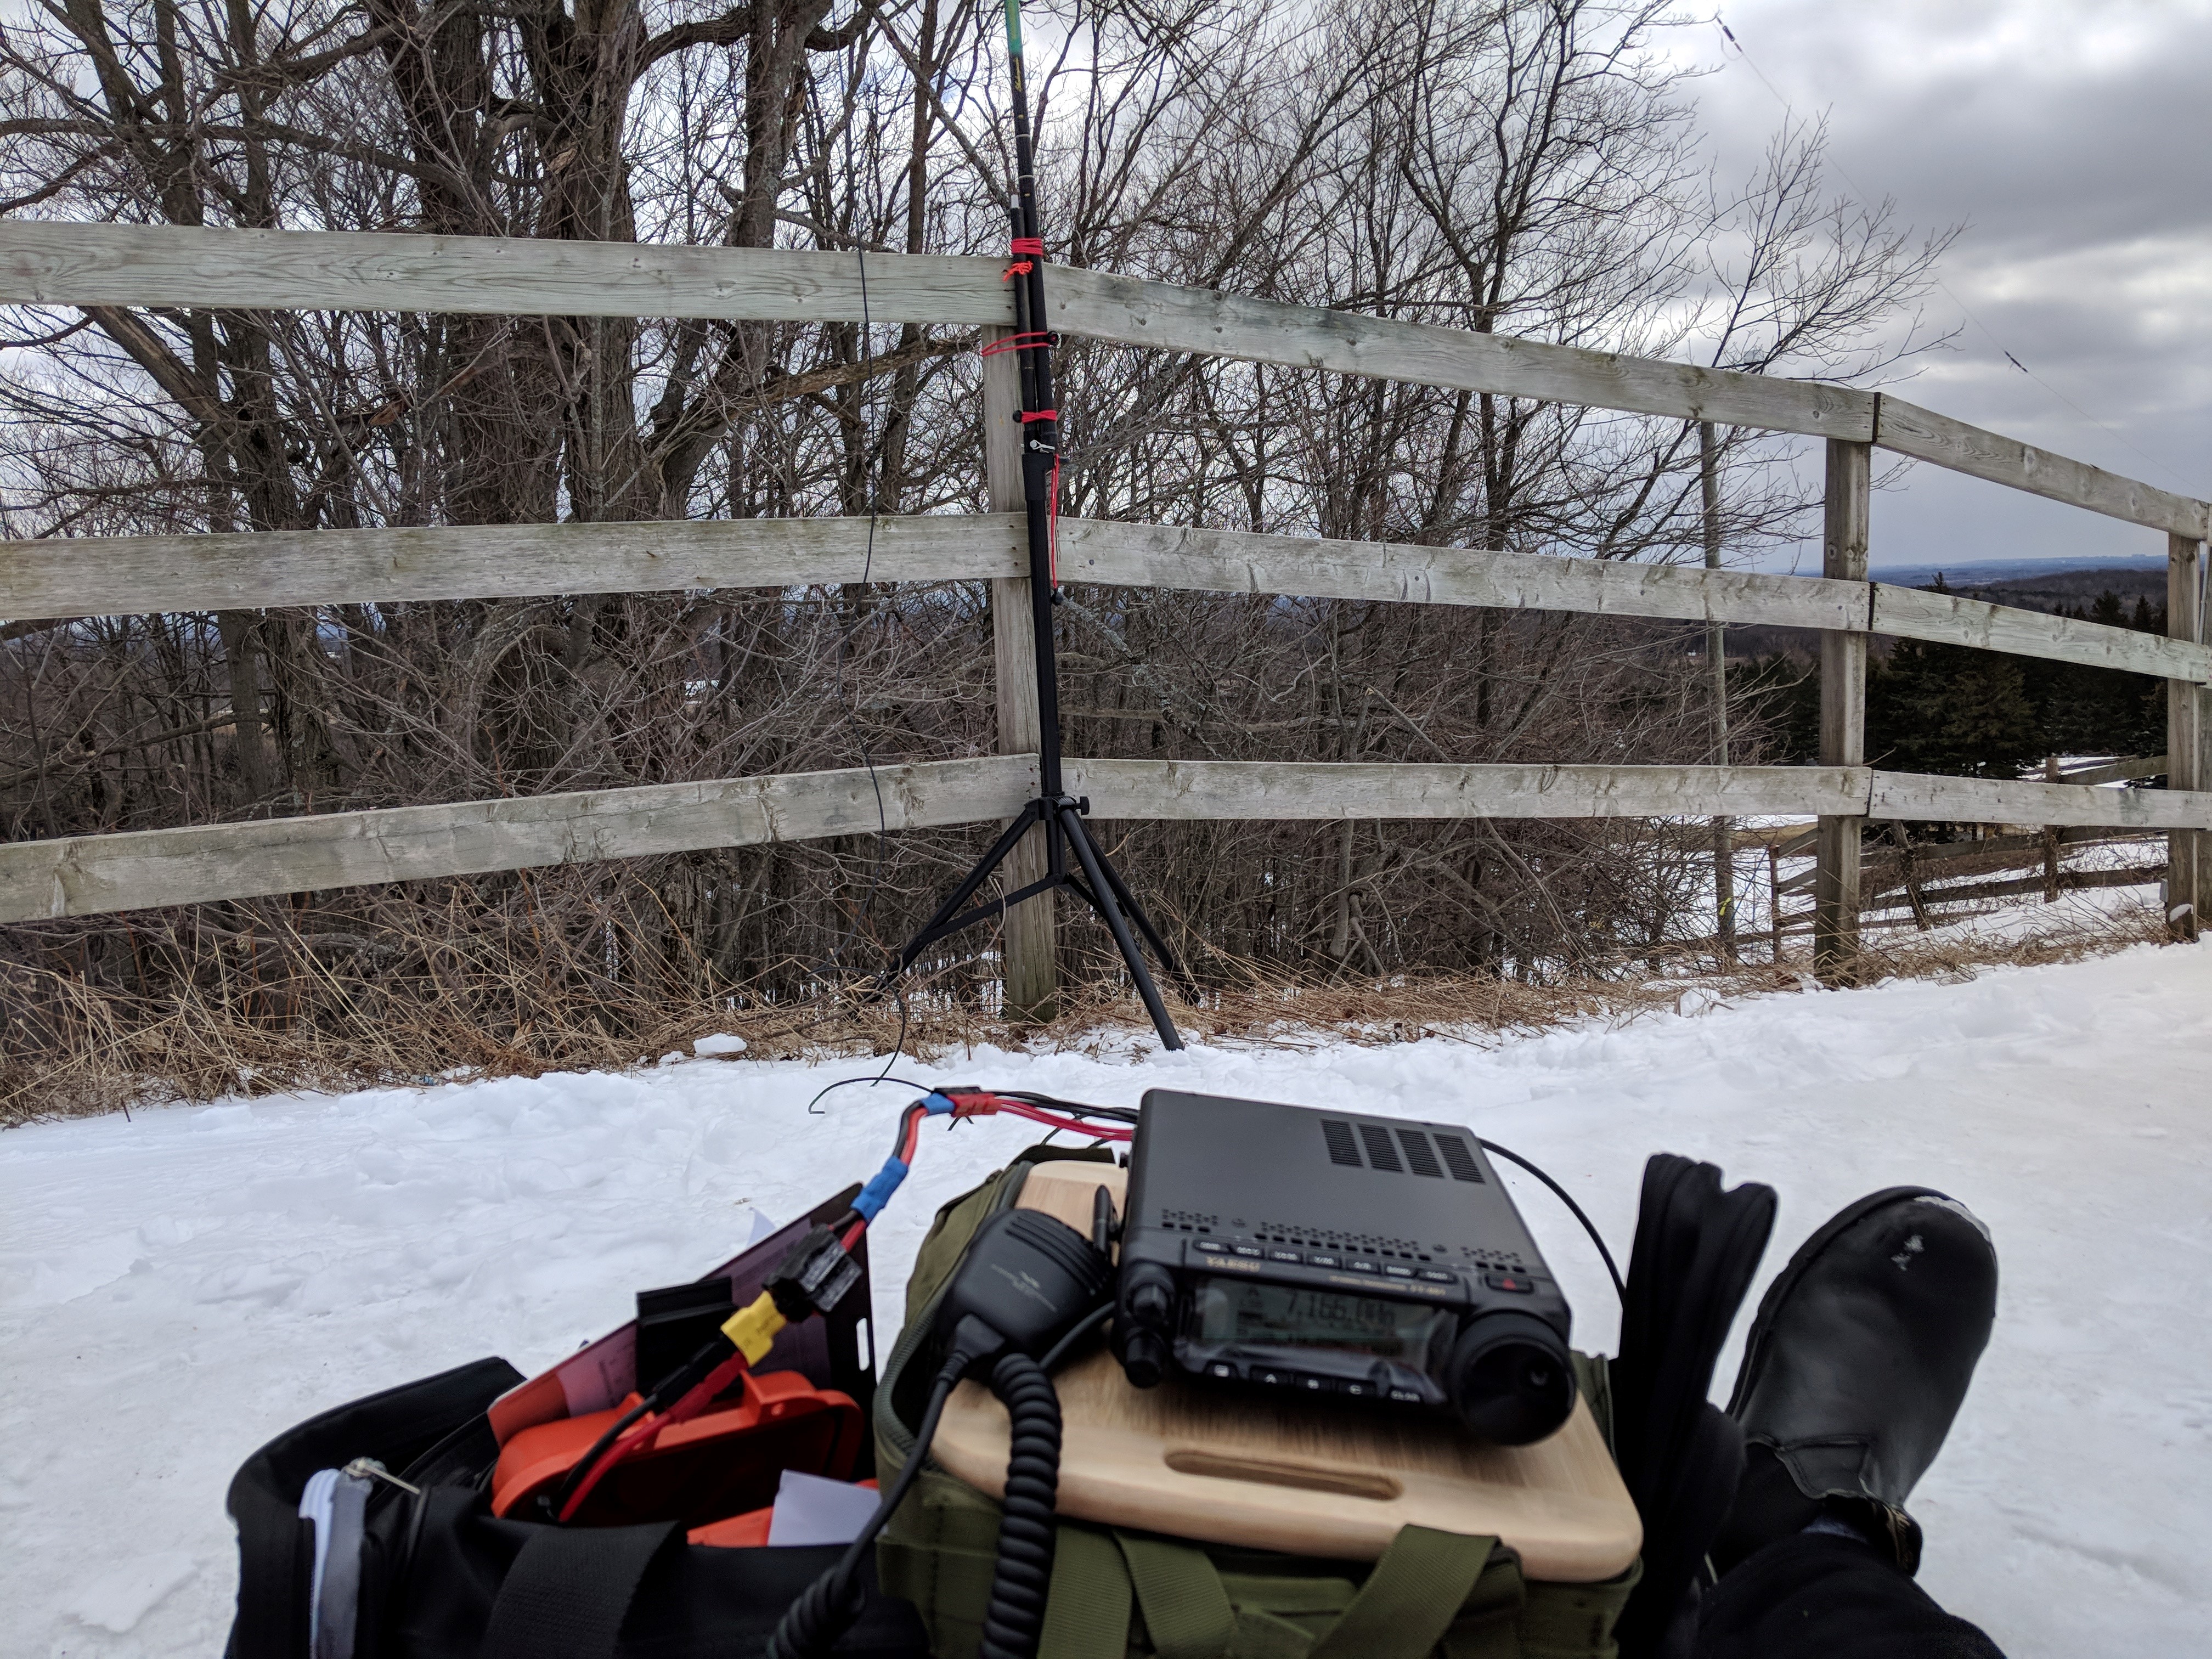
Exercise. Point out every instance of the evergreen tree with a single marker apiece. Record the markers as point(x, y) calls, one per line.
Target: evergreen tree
point(1950, 710)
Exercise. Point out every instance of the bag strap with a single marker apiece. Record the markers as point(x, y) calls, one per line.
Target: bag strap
point(1086, 1615)
point(1185, 1609)
point(569, 1590)
point(1410, 1599)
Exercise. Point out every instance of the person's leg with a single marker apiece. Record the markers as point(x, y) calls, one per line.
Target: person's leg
point(1857, 1364)
point(1819, 1595)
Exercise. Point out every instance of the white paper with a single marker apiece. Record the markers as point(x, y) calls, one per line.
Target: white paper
point(809, 1510)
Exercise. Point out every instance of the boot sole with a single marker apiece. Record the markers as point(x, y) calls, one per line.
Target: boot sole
point(1754, 1347)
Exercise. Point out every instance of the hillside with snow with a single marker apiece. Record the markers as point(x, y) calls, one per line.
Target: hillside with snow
point(178, 1287)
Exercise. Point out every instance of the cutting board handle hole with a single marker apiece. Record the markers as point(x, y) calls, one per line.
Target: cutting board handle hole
point(1343, 1483)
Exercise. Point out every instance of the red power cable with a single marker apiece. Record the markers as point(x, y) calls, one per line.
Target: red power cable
point(693, 1402)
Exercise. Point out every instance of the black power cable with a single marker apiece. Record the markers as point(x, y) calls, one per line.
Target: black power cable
point(826, 1608)
point(1619, 1289)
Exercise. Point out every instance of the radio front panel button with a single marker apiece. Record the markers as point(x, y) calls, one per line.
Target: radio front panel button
point(1317, 1259)
point(1222, 1368)
point(1359, 1265)
point(1438, 1276)
point(1290, 1256)
point(1396, 1272)
point(1251, 1250)
point(1208, 1246)
point(1515, 1284)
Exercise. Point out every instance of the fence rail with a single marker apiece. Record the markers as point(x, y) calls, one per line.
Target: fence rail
point(144, 869)
point(109, 575)
point(45, 263)
point(141, 869)
point(94, 266)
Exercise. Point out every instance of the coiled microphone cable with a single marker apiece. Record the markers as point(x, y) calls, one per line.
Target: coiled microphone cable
point(1021, 1582)
point(1064, 1279)
point(827, 1608)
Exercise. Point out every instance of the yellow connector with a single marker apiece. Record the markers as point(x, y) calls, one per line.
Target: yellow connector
point(754, 1329)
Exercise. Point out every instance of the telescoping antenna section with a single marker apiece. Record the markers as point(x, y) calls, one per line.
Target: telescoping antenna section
point(1058, 814)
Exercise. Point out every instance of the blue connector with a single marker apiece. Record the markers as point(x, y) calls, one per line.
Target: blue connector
point(878, 1193)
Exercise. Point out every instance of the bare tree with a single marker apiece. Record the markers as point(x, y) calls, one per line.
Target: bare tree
point(1506, 166)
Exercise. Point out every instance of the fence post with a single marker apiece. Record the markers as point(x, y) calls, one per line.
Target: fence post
point(1030, 964)
point(1843, 713)
point(2188, 739)
point(1709, 480)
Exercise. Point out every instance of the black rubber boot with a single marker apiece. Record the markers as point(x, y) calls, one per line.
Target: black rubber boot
point(1857, 1364)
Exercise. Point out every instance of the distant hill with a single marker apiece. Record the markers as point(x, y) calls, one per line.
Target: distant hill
point(2033, 585)
point(2039, 572)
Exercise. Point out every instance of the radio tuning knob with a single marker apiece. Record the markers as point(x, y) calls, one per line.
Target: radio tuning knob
point(1143, 1358)
point(1150, 1302)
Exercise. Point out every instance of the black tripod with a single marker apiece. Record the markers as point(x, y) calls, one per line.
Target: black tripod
point(1058, 814)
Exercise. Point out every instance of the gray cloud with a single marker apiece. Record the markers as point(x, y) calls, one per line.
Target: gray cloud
point(2070, 139)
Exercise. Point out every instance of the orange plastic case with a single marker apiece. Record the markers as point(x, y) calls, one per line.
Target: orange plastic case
point(719, 1466)
point(748, 1531)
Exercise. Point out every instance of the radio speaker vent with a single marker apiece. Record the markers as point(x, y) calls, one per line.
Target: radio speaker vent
point(1342, 1149)
point(1380, 1152)
point(1459, 1159)
point(1419, 1156)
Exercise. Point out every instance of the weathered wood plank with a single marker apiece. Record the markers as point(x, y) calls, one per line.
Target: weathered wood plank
point(2075, 881)
point(1029, 930)
point(47, 263)
point(1998, 800)
point(87, 875)
point(111, 575)
point(1881, 870)
point(51, 263)
point(2188, 740)
point(1907, 429)
point(1913, 614)
point(126, 574)
point(2126, 771)
point(1845, 524)
point(1336, 790)
point(1123, 309)
point(1240, 562)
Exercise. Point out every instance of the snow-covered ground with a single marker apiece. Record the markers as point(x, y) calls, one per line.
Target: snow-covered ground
point(175, 1288)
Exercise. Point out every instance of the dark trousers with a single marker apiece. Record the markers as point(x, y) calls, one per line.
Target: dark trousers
point(1815, 1595)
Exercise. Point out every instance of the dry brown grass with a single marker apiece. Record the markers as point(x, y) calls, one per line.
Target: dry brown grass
point(324, 1026)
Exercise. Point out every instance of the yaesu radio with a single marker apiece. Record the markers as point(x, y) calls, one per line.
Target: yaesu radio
point(1362, 1259)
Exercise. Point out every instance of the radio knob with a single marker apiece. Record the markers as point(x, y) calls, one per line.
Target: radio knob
point(1150, 1304)
point(1143, 1358)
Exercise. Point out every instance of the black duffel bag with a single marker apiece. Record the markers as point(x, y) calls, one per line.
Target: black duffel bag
point(432, 1574)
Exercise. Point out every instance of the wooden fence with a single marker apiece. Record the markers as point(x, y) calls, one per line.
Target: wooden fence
point(90, 265)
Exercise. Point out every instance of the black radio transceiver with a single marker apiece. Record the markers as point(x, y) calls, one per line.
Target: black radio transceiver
point(1334, 1255)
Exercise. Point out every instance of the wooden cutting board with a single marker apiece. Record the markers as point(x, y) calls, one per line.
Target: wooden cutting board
point(1239, 1465)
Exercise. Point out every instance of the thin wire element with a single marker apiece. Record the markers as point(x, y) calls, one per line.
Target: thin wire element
point(1787, 108)
point(1597, 1238)
point(851, 708)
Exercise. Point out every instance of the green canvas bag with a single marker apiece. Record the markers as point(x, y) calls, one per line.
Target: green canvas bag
point(1120, 1594)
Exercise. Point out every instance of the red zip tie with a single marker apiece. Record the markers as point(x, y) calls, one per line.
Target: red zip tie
point(1015, 342)
point(1029, 415)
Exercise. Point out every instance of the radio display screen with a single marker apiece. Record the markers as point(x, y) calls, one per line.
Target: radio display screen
point(1286, 1316)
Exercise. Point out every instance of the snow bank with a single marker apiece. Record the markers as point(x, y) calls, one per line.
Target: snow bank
point(176, 1289)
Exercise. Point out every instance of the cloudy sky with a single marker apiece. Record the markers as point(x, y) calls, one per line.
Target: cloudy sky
point(2073, 141)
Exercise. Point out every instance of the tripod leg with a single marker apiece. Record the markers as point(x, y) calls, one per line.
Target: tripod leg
point(1169, 965)
point(1103, 896)
point(934, 929)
